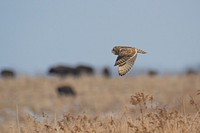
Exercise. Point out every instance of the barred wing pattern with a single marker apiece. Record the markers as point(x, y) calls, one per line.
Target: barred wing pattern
point(121, 60)
point(126, 66)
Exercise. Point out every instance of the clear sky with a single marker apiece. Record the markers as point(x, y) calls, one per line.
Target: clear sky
point(35, 34)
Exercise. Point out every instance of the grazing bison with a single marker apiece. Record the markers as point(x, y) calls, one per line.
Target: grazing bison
point(106, 72)
point(7, 73)
point(62, 70)
point(82, 69)
point(66, 91)
point(152, 73)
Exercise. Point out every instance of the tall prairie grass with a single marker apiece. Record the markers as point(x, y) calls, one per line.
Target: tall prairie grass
point(141, 104)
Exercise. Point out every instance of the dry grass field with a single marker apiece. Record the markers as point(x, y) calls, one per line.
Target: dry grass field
point(140, 104)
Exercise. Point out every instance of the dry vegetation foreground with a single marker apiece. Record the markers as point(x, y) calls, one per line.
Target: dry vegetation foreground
point(142, 104)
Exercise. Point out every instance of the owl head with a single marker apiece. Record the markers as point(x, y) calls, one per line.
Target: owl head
point(115, 50)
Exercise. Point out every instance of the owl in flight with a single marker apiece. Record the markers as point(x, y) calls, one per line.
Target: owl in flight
point(126, 58)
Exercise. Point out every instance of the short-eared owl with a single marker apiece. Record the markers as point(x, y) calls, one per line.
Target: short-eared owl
point(126, 58)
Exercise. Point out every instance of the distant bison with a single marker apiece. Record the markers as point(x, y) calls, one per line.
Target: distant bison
point(106, 72)
point(7, 73)
point(191, 72)
point(62, 70)
point(152, 73)
point(82, 69)
point(66, 91)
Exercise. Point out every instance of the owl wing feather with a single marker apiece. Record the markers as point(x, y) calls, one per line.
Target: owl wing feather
point(125, 67)
point(121, 60)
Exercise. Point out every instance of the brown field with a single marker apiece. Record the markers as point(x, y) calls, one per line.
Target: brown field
point(141, 104)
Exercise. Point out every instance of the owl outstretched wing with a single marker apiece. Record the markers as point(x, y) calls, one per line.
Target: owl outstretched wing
point(126, 66)
point(121, 60)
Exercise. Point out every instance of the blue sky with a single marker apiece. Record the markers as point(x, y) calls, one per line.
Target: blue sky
point(39, 33)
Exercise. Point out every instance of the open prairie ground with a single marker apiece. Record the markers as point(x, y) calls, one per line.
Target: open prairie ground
point(140, 104)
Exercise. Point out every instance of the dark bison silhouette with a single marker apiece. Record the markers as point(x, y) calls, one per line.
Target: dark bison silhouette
point(191, 72)
point(106, 72)
point(152, 73)
point(7, 73)
point(83, 69)
point(61, 70)
point(66, 91)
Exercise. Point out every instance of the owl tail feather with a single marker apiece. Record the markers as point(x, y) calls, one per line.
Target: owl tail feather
point(141, 51)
